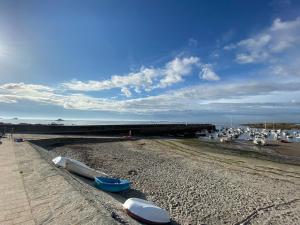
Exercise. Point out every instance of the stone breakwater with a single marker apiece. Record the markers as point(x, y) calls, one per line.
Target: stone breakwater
point(136, 129)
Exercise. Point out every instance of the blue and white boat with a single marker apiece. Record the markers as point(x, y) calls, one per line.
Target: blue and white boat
point(112, 184)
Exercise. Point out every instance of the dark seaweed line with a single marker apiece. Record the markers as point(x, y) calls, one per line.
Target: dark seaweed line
point(255, 213)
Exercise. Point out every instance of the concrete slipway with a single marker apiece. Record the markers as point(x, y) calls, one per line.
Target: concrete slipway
point(33, 191)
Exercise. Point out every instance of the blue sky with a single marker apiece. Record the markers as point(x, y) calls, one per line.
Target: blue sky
point(200, 61)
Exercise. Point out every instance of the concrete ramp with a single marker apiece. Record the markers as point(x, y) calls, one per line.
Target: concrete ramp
point(32, 191)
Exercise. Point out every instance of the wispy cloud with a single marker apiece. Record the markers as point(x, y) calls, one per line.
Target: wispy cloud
point(126, 92)
point(195, 98)
point(207, 73)
point(265, 46)
point(12, 92)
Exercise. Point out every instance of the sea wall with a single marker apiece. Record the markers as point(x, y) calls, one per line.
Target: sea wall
point(138, 130)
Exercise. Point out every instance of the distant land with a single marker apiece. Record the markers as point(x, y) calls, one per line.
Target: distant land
point(285, 126)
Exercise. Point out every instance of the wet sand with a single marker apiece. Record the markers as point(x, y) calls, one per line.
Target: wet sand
point(196, 183)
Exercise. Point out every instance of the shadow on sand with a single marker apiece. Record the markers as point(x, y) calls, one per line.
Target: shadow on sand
point(52, 143)
point(120, 196)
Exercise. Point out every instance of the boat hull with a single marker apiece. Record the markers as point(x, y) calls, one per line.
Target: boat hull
point(112, 184)
point(138, 218)
point(77, 167)
point(146, 212)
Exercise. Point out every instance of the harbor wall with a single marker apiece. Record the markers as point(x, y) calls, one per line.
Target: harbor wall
point(136, 130)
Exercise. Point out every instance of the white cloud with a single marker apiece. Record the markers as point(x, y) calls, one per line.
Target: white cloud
point(25, 87)
point(15, 92)
point(141, 79)
point(39, 93)
point(256, 43)
point(245, 58)
point(289, 67)
point(177, 69)
point(274, 41)
point(146, 79)
point(6, 99)
point(126, 91)
point(229, 47)
point(278, 24)
point(207, 73)
point(279, 70)
point(195, 98)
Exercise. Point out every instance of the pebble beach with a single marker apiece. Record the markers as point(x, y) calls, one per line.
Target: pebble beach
point(196, 184)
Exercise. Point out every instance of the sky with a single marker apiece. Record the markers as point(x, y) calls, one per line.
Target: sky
point(194, 61)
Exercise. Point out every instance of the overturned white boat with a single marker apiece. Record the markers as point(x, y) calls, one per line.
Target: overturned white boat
point(77, 167)
point(146, 212)
point(225, 139)
point(260, 141)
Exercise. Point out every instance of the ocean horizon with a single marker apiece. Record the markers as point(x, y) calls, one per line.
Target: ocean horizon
point(81, 122)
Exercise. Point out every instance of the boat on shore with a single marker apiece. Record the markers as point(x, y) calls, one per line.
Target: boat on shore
point(112, 184)
point(146, 212)
point(260, 141)
point(77, 167)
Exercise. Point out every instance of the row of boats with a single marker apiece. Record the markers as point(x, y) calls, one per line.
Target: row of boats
point(257, 136)
point(144, 211)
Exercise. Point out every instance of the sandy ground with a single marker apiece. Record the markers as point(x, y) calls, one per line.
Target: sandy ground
point(194, 182)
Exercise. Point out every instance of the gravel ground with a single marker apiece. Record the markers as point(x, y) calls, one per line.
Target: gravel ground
point(194, 185)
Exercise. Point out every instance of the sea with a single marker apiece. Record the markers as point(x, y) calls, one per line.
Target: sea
point(84, 122)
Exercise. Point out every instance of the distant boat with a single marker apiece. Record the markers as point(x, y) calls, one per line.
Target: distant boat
point(112, 184)
point(59, 119)
point(146, 212)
